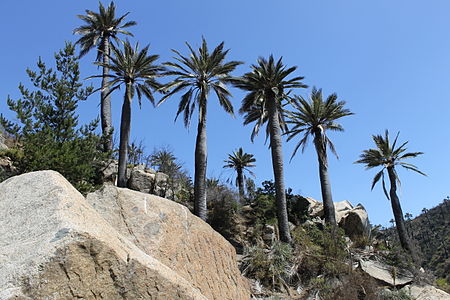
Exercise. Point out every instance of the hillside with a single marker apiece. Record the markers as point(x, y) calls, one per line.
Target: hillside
point(431, 230)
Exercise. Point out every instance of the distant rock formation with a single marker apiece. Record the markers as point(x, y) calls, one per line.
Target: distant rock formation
point(119, 244)
point(143, 180)
point(354, 220)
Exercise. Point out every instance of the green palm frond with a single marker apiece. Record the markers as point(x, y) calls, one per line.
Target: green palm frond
point(314, 117)
point(387, 155)
point(199, 73)
point(268, 79)
point(135, 67)
point(240, 160)
point(100, 26)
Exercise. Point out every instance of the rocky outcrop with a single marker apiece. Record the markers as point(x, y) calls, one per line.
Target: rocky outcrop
point(385, 273)
point(7, 168)
point(141, 181)
point(55, 245)
point(149, 181)
point(355, 222)
point(315, 208)
point(171, 234)
point(426, 292)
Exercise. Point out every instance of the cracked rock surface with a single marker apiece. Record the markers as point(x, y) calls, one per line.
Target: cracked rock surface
point(55, 245)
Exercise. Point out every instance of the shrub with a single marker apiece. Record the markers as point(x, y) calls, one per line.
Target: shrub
point(394, 295)
point(222, 208)
point(271, 266)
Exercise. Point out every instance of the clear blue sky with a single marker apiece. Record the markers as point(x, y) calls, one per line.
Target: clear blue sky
point(390, 60)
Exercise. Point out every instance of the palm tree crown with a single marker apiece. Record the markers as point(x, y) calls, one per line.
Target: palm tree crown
point(314, 117)
point(266, 81)
point(240, 161)
point(99, 27)
point(134, 68)
point(199, 73)
point(386, 155)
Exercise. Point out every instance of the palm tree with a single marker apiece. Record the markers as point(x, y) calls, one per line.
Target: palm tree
point(387, 156)
point(133, 68)
point(267, 89)
point(314, 117)
point(240, 162)
point(99, 30)
point(200, 73)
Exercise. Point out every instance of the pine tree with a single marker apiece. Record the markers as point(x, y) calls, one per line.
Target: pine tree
point(47, 130)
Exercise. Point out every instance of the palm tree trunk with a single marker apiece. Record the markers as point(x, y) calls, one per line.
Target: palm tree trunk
point(277, 164)
point(105, 105)
point(325, 185)
point(125, 124)
point(240, 182)
point(398, 214)
point(200, 167)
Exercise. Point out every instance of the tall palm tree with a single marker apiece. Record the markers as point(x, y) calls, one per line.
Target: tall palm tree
point(200, 73)
point(240, 161)
point(99, 30)
point(387, 156)
point(136, 70)
point(314, 117)
point(267, 89)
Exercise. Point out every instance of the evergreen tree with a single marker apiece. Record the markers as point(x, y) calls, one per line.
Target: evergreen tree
point(48, 131)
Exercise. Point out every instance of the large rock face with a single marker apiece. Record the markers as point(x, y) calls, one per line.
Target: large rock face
point(55, 245)
point(171, 234)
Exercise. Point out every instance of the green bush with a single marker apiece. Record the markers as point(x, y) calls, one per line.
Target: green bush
point(394, 295)
point(271, 266)
point(222, 208)
point(319, 252)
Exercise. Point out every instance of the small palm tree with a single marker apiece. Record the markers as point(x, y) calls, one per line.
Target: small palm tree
point(136, 70)
point(99, 30)
point(200, 73)
point(387, 156)
point(267, 89)
point(240, 162)
point(314, 117)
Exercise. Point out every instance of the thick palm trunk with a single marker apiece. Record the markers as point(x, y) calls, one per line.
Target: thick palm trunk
point(277, 164)
point(240, 182)
point(125, 124)
point(200, 167)
point(398, 214)
point(105, 102)
point(325, 185)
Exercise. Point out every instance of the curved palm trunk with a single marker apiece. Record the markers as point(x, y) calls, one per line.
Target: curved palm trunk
point(325, 185)
point(105, 102)
point(277, 164)
point(125, 124)
point(240, 182)
point(200, 167)
point(398, 214)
